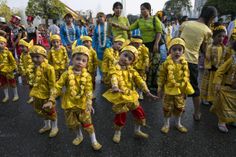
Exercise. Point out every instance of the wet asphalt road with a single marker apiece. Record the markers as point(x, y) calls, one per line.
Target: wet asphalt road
point(19, 133)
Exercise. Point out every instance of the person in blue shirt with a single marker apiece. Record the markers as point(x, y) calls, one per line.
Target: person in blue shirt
point(100, 39)
point(69, 32)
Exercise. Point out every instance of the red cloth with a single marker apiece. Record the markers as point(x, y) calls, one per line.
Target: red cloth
point(4, 81)
point(120, 119)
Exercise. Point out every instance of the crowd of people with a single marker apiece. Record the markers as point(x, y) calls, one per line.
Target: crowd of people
point(151, 56)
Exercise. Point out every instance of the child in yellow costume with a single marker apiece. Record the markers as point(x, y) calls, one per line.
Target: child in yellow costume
point(123, 95)
point(93, 60)
point(215, 56)
point(58, 56)
point(77, 99)
point(173, 81)
point(111, 57)
point(26, 66)
point(142, 64)
point(224, 104)
point(7, 67)
point(44, 83)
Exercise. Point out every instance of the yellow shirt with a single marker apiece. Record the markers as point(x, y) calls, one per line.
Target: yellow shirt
point(143, 58)
point(93, 61)
point(175, 84)
point(58, 58)
point(82, 86)
point(194, 33)
point(126, 80)
point(44, 81)
point(25, 62)
point(7, 64)
point(110, 58)
point(226, 73)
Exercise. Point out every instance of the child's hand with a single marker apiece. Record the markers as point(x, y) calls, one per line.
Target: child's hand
point(90, 109)
point(217, 87)
point(47, 105)
point(116, 89)
point(149, 94)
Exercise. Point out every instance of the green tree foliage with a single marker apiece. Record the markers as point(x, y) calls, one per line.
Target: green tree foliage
point(6, 11)
point(174, 7)
point(224, 7)
point(47, 9)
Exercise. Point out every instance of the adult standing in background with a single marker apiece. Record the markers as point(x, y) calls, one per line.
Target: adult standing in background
point(197, 35)
point(117, 22)
point(31, 30)
point(100, 39)
point(53, 28)
point(151, 30)
point(82, 27)
point(69, 32)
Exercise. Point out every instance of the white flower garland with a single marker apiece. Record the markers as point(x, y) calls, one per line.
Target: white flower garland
point(99, 35)
point(67, 32)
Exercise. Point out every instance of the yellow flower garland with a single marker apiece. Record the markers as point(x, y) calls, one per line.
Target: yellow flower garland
point(39, 73)
point(183, 72)
point(81, 83)
point(57, 59)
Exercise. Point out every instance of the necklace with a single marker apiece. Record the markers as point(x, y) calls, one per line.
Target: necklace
point(77, 91)
point(68, 34)
point(102, 44)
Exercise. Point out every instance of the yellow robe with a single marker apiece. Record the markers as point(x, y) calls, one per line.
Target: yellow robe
point(25, 62)
point(224, 105)
point(59, 60)
point(7, 64)
point(83, 83)
point(110, 58)
point(215, 56)
point(168, 87)
point(126, 80)
point(93, 62)
point(44, 81)
point(143, 61)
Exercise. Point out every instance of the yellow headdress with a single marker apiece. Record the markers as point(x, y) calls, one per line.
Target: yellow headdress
point(136, 40)
point(86, 38)
point(55, 37)
point(2, 39)
point(131, 49)
point(176, 41)
point(36, 49)
point(80, 49)
point(119, 38)
point(25, 43)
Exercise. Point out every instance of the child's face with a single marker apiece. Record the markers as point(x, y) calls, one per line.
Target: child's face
point(87, 43)
point(136, 45)
point(56, 43)
point(176, 52)
point(219, 38)
point(2, 46)
point(126, 58)
point(117, 45)
point(80, 61)
point(23, 48)
point(37, 59)
point(101, 19)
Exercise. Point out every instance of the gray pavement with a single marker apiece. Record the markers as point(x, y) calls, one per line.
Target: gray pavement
point(19, 133)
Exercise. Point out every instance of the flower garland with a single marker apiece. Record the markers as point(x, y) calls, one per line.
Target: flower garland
point(183, 72)
point(102, 44)
point(214, 58)
point(234, 68)
point(77, 94)
point(57, 59)
point(39, 73)
point(68, 34)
